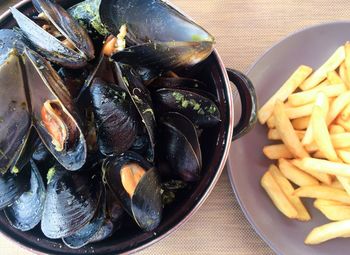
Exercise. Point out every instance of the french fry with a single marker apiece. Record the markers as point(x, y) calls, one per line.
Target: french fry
point(345, 182)
point(277, 196)
point(347, 55)
point(322, 177)
point(288, 190)
point(337, 106)
point(296, 175)
point(322, 102)
point(325, 202)
point(333, 212)
point(274, 135)
point(343, 123)
point(312, 147)
point(328, 231)
point(325, 166)
point(345, 114)
point(337, 184)
point(300, 111)
point(321, 134)
point(282, 94)
point(323, 192)
point(277, 151)
point(336, 129)
point(319, 154)
point(343, 72)
point(287, 132)
point(330, 65)
point(309, 96)
point(271, 122)
point(344, 156)
point(334, 78)
point(341, 140)
point(301, 123)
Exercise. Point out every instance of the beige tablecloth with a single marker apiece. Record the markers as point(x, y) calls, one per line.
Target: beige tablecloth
point(244, 29)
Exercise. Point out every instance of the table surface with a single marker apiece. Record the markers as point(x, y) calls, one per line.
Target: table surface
point(244, 29)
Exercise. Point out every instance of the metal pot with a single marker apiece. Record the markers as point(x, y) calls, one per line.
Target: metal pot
point(214, 72)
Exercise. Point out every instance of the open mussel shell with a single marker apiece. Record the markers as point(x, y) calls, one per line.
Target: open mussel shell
point(180, 146)
point(25, 213)
point(116, 117)
point(201, 110)
point(68, 27)
point(131, 82)
point(15, 119)
point(86, 233)
point(49, 46)
point(12, 186)
point(71, 202)
point(145, 205)
point(56, 118)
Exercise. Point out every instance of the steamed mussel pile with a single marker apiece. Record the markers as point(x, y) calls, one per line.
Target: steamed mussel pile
point(96, 126)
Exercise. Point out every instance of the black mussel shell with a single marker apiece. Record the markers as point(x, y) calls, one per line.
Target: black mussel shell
point(150, 21)
point(86, 233)
point(107, 229)
point(201, 110)
point(67, 26)
point(142, 100)
point(48, 46)
point(41, 153)
point(180, 146)
point(12, 185)
point(15, 119)
point(116, 117)
point(45, 84)
point(87, 13)
point(25, 213)
point(164, 56)
point(177, 82)
point(71, 201)
point(145, 206)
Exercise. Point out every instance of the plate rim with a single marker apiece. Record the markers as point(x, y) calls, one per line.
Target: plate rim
point(230, 167)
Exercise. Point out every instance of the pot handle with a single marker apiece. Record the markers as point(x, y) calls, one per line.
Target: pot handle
point(249, 103)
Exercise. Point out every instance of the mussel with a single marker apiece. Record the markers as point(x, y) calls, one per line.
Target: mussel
point(56, 118)
point(116, 117)
point(15, 119)
point(80, 48)
point(180, 146)
point(25, 213)
point(159, 36)
point(71, 201)
point(133, 180)
point(132, 83)
point(12, 186)
point(201, 110)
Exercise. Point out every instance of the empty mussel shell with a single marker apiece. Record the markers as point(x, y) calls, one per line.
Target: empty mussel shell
point(71, 201)
point(180, 146)
point(25, 213)
point(136, 184)
point(56, 118)
point(116, 117)
point(201, 110)
point(15, 120)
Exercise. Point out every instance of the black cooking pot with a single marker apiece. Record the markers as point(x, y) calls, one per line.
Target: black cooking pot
point(215, 143)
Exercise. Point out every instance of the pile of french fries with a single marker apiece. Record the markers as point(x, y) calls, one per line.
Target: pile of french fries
point(309, 121)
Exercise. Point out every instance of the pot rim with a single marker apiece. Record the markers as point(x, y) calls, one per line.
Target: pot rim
point(228, 139)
